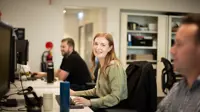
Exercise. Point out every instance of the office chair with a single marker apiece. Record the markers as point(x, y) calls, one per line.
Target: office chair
point(168, 75)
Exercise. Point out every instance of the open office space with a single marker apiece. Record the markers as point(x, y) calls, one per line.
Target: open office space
point(142, 30)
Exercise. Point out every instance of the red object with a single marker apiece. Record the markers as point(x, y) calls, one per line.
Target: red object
point(49, 45)
point(49, 57)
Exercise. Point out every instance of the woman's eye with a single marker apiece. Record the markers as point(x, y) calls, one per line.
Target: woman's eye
point(95, 44)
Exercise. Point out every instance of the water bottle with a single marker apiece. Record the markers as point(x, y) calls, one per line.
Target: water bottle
point(64, 96)
point(50, 69)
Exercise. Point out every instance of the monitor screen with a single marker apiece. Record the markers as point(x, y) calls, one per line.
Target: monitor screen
point(22, 47)
point(5, 58)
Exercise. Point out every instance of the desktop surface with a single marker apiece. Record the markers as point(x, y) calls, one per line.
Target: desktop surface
point(41, 87)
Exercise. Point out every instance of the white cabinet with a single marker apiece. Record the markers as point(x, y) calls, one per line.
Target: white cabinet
point(143, 37)
point(174, 23)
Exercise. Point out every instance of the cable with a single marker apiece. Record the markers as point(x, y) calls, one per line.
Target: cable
point(3, 109)
point(6, 97)
point(15, 86)
point(20, 77)
point(19, 109)
point(21, 84)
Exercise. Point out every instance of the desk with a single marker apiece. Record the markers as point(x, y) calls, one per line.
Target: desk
point(40, 87)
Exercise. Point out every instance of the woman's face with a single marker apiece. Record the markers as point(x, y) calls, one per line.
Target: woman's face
point(101, 47)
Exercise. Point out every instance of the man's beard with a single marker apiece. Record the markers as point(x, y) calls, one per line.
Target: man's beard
point(66, 53)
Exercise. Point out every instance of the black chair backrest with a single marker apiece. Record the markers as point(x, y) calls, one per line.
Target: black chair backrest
point(168, 75)
point(141, 84)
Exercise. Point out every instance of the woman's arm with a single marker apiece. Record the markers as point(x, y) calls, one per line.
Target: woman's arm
point(91, 92)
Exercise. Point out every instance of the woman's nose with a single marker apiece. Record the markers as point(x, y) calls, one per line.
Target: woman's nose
point(98, 47)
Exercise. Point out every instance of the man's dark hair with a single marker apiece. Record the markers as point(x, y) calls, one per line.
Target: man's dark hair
point(193, 19)
point(70, 42)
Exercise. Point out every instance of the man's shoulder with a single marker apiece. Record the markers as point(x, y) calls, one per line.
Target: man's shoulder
point(73, 55)
point(176, 87)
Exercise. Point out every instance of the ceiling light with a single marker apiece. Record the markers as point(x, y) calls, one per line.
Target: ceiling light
point(64, 11)
point(80, 15)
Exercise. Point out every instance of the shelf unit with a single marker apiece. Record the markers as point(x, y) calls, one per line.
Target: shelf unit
point(145, 32)
point(140, 47)
point(174, 21)
point(140, 27)
point(159, 38)
point(152, 61)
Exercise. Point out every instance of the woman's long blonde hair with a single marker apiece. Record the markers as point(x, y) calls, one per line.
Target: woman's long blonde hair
point(109, 57)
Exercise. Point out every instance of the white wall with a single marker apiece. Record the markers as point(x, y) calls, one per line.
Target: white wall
point(71, 24)
point(97, 17)
point(102, 20)
point(44, 22)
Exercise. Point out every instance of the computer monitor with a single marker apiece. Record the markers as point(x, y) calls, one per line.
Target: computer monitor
point(20, 33)
point(13, 59)
point(22, 47)
point(6, 58)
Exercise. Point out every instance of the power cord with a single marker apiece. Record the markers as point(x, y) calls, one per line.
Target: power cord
point(6, 97)
point(15, 86)
point(21, 81)
point(2, 109)
point(20, 109)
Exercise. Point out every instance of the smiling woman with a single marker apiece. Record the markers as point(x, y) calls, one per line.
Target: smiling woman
point(111, 85)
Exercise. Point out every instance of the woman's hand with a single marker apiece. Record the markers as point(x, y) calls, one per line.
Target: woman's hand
point(82, 101)
point(72, 92)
